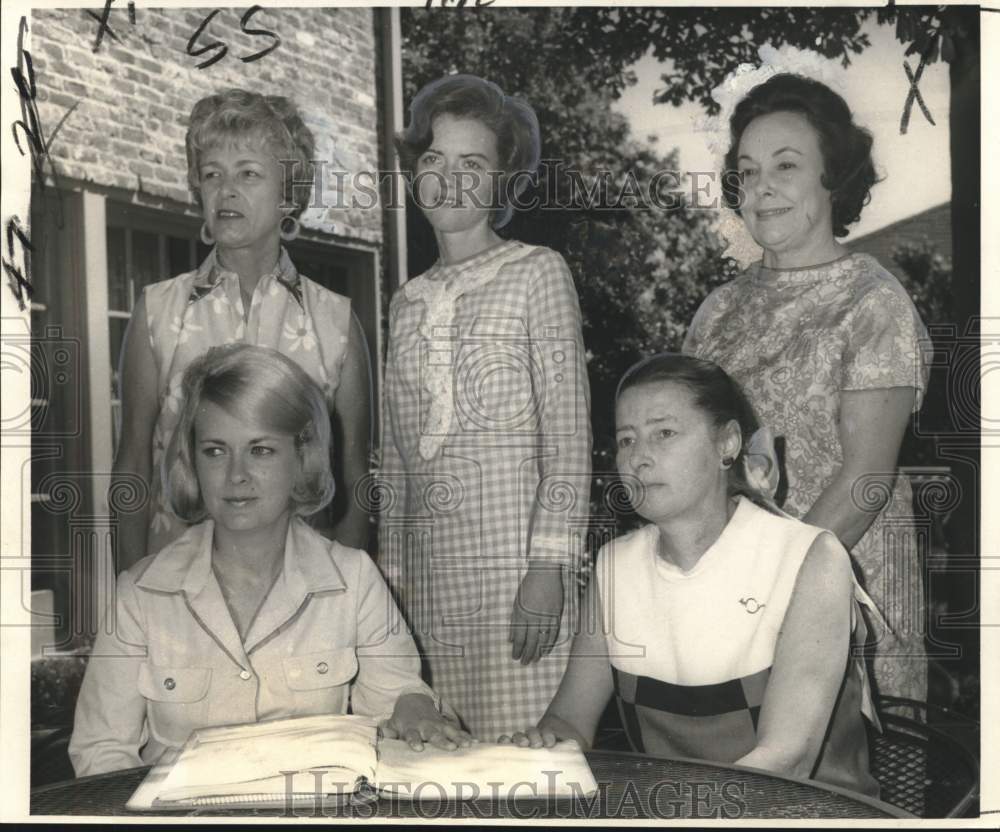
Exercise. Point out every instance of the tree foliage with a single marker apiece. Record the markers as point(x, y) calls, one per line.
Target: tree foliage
point(927, 278)
point(702, 45)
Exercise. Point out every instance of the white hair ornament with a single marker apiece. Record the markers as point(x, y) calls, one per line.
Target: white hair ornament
point(760, 463)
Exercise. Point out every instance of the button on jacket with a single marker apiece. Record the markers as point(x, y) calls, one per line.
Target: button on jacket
point(327, 635)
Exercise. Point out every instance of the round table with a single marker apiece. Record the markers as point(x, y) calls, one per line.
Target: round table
point(632, 786)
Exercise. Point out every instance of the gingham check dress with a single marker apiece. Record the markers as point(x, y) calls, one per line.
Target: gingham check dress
point(507, 480)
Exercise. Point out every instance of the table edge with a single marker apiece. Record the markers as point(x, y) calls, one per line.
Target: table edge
point(888, 808)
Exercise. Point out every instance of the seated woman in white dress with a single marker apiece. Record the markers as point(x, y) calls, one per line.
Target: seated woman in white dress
point(250, 615)
point(724, 627)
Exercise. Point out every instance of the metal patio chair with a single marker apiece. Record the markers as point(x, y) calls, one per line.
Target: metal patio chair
point(926, 759)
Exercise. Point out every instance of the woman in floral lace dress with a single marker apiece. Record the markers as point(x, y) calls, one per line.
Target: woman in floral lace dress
point(828, 346)
point(248, 290)
point(486, 446)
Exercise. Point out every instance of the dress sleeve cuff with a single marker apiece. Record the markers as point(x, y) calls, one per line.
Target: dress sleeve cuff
point(553, 550)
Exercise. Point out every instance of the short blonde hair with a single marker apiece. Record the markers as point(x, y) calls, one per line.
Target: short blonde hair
point(240, 116)
point(267, 387)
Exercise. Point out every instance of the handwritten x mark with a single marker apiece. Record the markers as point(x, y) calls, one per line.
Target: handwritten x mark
point(914, 95)
point(103, 20)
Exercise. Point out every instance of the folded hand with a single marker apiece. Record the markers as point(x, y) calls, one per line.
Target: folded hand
point(534, 620)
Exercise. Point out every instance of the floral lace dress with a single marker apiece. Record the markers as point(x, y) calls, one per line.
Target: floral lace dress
point(796, 338)
point(485, 469)
point(189, 314)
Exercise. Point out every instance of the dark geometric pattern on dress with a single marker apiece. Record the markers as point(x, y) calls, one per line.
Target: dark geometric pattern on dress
point(719, 722)
point(648, 706)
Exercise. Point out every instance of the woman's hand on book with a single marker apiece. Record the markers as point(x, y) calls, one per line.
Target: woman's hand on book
point(416, 721)
point(550, 730)
point(532, 738)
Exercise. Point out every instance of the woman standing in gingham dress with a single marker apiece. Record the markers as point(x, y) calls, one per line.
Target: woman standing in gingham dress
point(486, 446)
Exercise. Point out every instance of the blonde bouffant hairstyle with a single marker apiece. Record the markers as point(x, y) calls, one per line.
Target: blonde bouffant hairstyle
point(241, 116)
point(262, 385)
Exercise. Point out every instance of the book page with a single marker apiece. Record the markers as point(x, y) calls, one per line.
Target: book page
point(250, 759)
point(142, 798)
point(484, 771)
point(309, 782)
point(332, 782)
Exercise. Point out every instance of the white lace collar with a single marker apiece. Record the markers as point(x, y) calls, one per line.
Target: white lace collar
point(440, 289)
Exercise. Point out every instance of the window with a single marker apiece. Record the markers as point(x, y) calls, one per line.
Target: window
point(143, 247)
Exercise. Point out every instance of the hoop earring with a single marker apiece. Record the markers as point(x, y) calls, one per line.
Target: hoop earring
point(206, 235)
point(290, 234)
point(727, 462)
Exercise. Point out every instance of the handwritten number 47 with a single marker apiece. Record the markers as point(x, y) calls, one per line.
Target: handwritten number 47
point(220, 49)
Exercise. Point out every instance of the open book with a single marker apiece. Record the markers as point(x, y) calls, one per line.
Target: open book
point(305, 758)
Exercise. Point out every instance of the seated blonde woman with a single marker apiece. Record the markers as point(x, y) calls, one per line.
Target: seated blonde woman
point(251, 614)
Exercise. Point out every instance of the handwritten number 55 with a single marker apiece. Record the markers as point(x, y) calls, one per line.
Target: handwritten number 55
point(220, 49)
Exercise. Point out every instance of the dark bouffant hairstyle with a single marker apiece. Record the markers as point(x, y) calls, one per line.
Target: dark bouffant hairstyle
point(849, 171)
point(715, 393)
point(512, 120)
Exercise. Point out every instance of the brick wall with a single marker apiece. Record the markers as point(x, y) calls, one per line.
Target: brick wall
point(934, 225)
point(135, 94)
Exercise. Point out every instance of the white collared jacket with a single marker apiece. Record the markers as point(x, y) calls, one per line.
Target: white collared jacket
point(171, 659)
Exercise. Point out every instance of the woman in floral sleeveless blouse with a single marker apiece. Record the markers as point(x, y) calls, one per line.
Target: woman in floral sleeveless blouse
point(827, 345)
point(248, 290)
point(486, 446)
